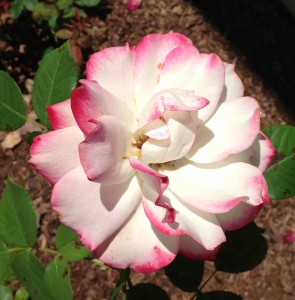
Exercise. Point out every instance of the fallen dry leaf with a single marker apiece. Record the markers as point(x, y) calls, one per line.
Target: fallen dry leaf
point(11, 140)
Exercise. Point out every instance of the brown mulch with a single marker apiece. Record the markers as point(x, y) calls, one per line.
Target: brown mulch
point(259, 37)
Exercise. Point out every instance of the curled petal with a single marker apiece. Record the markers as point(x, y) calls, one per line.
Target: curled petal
point(149, 58)
point(104, 152)
point(112, 68)
point(60, 115)
point(233, 86)
point(172, 100)
point(193, 250)
point(201, 226)
point(227, 132)
point(154, 184)
point(215, 189)
point(90, 101)
point(153, 249)
point(55, 153)
point(181, 137)
point(95, 211)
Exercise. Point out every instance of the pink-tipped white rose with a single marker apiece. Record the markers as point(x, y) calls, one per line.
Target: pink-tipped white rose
point(156, 153)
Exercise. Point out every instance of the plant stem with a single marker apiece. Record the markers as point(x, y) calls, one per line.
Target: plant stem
point(13, 249)
point(48, 251)
point(41, 126)
point(203, 285)
point(130, 285)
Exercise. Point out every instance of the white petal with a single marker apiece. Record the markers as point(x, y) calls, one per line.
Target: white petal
point(90, 101)
point(201, 226)
point(95, 211)
point(233, 86)
point(55, 153)
point(104, 152)
point(232, 129)
point(60, 115)
point(239, 216)
point(181, 137)
point(185, 68)
point(150, 55)
point(215, 189)
point(193, 250)
point(112, 68)
point(138, 245)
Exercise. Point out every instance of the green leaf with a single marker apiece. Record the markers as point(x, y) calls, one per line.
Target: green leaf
point(16, 8)
point(21, 294)
point(54, 81)
point(243, 250)
point(57, 278)
point(280, 176)
point(4, 260)
point(31, 136)
point(185, 273)
point(68, 245)
point(44, 10)
point(63, 4)
point(30, 272)
point(282, 137)
point(219, 295)
point(18, 225)
point(5, 293)
point(146, 291)
point(89, 3)
point(120, 283)
point(12, 106)
point(30, 4)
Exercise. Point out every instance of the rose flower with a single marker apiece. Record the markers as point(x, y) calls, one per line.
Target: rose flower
point(156, 153)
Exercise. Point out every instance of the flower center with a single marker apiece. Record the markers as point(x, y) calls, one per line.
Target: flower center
point(138, 141)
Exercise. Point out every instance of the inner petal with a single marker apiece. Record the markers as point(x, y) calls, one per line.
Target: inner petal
point(166, 130)
point(172, 100)
point(181, 137)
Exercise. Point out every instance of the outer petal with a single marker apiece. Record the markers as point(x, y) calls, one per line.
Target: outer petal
point(181, 137)
point(233, 86)
point(193, 250)
point(60, 115)
point(260, 154)
point(55, 153)
point(201, 226)
point(90, 101)
point(185, 68)
point(232, 129)
point(139, 246)
point(112, 68)
point(95, 211)
point(150, 55)
point(215, 190)
point(239, 216)
point(104, 152)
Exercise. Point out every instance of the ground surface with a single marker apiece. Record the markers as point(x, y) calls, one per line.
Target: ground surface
point(259, 37)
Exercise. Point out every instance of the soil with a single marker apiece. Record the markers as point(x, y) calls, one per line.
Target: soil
point(258, 35)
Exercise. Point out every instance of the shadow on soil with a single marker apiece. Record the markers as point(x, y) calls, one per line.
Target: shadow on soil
point(264, 32)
